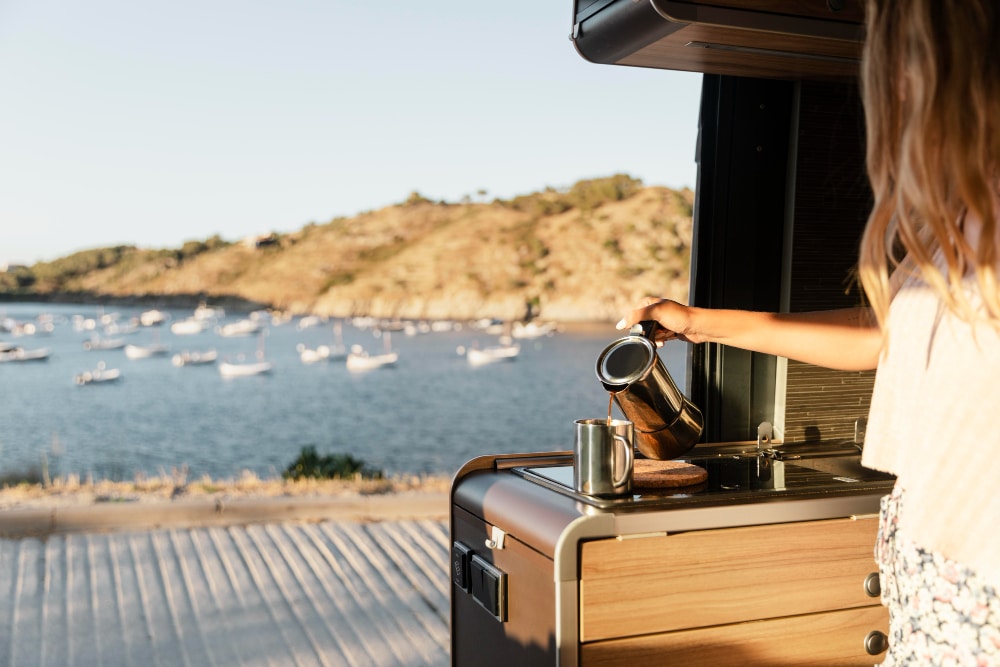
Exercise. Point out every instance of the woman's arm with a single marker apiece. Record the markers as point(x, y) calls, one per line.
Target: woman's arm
point(847, 339)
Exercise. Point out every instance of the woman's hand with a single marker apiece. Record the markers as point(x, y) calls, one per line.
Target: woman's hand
point(846, 339)
point(674, 319)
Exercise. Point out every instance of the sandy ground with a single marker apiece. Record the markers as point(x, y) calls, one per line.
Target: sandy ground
point(72, 491)
point(71, 505)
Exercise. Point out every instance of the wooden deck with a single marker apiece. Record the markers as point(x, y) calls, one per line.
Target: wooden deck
point(287, 593)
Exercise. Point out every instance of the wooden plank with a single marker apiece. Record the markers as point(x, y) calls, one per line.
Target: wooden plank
point(829, 639)
point(712, 577)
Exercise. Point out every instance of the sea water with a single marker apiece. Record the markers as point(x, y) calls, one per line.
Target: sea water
point(428, 414)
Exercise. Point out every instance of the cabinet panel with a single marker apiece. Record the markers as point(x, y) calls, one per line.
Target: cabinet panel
point(527, 636)
point(849, 10)
point(704, 578)
point(783, 39)
point(832, 638)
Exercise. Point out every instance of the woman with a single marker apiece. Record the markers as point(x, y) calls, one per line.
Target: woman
point(928, 264)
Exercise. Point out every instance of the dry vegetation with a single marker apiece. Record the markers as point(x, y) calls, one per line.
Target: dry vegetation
point(585, 254)
point(72, 490)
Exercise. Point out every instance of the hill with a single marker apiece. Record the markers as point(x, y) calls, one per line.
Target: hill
point(582, 254)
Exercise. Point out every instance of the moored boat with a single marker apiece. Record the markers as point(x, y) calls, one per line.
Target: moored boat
point(153, 318)
point(146, 351)
point(99, 375)
point(98, 343)
point(194, 358)
point(532, 330)
point(492, 354)
point(21, 354)
point(230, 369)
point(362, 361)
point(244, 327)
point(188, 327)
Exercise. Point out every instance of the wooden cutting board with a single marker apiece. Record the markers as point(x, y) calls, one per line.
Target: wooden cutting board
point(652, 474)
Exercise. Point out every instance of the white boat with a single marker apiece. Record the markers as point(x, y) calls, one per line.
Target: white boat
point(121, 328)
point(188, 327)
point(146, 351)
point(532, 330)
point(153, 318)
point(98, 343)
point(243, 368)
point(21, 354)
point(308, 321)
point(492, 354)
point(335, 352)
point(194, 358)
point(99, 375)
point(245, 327)
point(229, 369)
point(206, 312)
point(362, 361)
point(310, 355)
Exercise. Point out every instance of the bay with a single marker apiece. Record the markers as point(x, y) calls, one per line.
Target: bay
point(428, 414)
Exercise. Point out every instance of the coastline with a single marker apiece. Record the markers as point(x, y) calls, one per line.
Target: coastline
point(67, 506)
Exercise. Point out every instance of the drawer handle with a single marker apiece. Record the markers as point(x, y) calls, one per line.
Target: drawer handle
point(876, 642)
point(873, 587)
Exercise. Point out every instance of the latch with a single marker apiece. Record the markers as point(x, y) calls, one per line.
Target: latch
point(496, 538)
point(765, 433)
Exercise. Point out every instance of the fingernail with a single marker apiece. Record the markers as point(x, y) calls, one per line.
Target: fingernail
point(621, 324)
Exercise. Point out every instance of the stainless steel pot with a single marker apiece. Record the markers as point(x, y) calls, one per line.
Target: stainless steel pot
point(667, 424)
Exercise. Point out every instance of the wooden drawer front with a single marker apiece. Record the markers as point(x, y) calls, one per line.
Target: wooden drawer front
point(702, 578)
point(832, 638)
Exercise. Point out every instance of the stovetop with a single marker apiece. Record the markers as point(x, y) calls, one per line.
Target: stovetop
point(730, 479)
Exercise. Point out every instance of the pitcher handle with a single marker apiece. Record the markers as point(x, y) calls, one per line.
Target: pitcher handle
point(648, 328)
point(629, 460)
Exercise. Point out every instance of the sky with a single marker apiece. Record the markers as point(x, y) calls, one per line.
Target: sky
point(155, 123)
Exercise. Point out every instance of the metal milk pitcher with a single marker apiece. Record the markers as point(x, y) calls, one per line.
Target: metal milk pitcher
point(667, 424)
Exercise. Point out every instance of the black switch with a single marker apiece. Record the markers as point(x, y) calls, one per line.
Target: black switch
point(489, 587)
point(460, 555)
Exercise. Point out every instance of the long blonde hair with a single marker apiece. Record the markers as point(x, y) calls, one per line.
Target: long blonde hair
point(931, 87)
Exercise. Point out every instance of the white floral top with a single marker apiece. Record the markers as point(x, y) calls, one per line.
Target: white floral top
point(940, 612)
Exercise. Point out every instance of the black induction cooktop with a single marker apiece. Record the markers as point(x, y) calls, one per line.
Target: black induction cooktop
point(740, 478)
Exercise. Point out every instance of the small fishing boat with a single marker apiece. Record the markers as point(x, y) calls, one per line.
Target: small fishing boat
point(98, 343)
point(230, 369)
point(244, 327)
point(188, 327)
point(491, 354)
point(532, 330)
point(100, 375)
point(360, 360)
point(308, 321)
point(242, 368)
point(206, 312)
point(146, 351)
point(194, 358)
point(20, 354)
point(310, 355)
point(335, 352)
point(153, 318)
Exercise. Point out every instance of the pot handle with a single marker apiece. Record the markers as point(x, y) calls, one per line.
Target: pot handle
point(647, 328)
point(629, 460)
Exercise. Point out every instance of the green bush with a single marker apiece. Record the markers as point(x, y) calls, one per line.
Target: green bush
point(311, 465)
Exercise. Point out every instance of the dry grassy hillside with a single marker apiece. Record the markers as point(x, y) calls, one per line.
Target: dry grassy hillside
point(422, 259)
